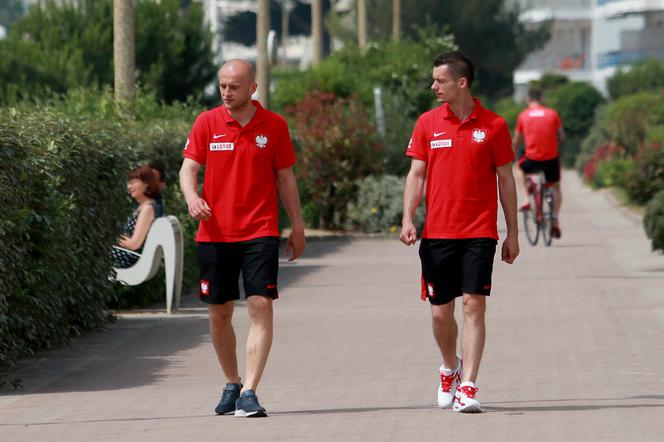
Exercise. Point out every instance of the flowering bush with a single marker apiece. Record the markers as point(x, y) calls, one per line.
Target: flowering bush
point(338, 145)
point(603, 153)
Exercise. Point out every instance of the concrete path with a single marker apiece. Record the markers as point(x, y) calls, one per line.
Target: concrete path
point(575, 351)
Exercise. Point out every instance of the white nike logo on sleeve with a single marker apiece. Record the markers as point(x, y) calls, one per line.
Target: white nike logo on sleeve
point(437, 134)
point(218, 136)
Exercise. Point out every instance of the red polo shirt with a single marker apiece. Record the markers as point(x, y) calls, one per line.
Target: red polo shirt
point(461, 157)
point(539, 126)
point(241, 166)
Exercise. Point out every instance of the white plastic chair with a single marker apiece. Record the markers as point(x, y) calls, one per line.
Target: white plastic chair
point(164, 238)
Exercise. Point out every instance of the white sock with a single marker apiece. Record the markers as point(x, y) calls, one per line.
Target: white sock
point(448, 371)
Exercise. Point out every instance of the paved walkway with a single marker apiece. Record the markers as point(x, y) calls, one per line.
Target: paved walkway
point(575, 351)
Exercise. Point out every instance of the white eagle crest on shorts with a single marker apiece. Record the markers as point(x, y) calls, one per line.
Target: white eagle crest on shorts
point(261, 141)
point(479, 136)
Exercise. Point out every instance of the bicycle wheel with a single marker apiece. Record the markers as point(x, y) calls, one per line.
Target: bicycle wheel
point(530, 224)
point(547, 216)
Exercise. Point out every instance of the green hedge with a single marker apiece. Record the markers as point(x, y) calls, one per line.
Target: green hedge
point(576, 103)
point(63, 200)
point(653, 221)
point(645, 76)
point(646, 177)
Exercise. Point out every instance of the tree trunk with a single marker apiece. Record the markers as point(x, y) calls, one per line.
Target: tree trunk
point(262, 61)
point(285, 14)
point(317, 31)
point(123, 49)
point(396, 20)
point(361, 23)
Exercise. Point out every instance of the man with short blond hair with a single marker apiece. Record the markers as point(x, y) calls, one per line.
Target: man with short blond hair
point(248, 158)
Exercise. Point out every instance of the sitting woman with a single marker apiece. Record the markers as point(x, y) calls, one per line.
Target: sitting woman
point(143, 186)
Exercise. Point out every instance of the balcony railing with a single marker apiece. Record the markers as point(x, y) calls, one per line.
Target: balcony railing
point(622, 58)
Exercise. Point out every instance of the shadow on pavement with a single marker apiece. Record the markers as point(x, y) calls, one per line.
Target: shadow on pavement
point(133, 352)
point(567, 408)
point(579, 407)
point(222, 418)
point(142, 344)
point(353, 410)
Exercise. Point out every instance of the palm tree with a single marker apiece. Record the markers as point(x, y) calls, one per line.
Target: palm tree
point(262, 61)
point(396, 20)
point(123, 49)
point(361, 23)
point(285, 17)
point(317, 31)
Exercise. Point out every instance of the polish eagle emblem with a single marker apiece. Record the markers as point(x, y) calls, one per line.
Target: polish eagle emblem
point(479, 136)
point(261, 141)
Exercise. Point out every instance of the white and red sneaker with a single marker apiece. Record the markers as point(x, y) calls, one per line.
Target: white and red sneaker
point(465, 399)
point(449, 381)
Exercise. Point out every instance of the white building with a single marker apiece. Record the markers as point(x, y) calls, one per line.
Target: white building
point(297, 49)
point(591, 38)
point(215, 13)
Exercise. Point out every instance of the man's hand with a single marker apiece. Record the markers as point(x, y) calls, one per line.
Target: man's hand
point(408, 234)
point(510, 249)
point(199, 209)
point(296, 243)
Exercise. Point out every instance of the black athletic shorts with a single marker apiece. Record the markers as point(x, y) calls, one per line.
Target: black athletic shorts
point(452, 267)
point(220, 264)
point(551, 168)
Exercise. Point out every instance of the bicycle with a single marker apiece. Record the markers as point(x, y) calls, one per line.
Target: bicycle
point(538, 215)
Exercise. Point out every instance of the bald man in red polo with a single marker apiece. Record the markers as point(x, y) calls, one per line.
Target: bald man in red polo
point(459, 150)
point(541, 129)
point(248, 158)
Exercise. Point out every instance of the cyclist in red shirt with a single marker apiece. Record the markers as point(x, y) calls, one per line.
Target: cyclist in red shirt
point(542, 130)
point(248, 157)
point(456, 151)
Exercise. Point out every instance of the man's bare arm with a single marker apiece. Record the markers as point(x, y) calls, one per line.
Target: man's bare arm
point(507, 191)
point(290, 196)
point(516, 141)
point(412, 195)
point(198, 208)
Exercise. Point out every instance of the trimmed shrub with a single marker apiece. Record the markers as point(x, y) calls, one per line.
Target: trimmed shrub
point(627, 120)
point(338, 146)
point(576, 104)
point(62, 204)
point(653, 221)
point(646, 178)
point(597, 136)
point(378, 207)
point(603, 153)
point(645, 76)
point(612, 172)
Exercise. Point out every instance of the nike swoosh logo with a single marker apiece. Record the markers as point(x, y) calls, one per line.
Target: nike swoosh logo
point(437, 134)
point(218, 136)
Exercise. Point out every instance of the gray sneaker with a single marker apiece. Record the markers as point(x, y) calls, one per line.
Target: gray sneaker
point(228, 398)
point(247, 406)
